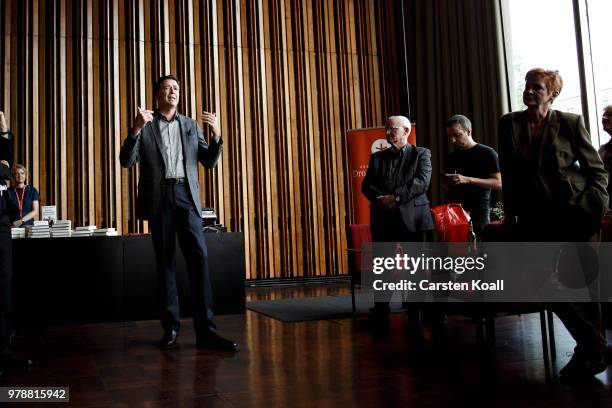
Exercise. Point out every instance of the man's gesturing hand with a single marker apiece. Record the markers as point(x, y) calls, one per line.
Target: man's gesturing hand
point(143, 117)
point(210, 119)
point(3, 126)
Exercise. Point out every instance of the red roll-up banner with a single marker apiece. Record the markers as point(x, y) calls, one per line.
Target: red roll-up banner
point(361, 144)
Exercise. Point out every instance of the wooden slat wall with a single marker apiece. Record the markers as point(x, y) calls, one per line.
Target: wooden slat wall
point(286, 77)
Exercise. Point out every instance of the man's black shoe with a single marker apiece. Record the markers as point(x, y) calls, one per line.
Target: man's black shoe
point(8, 359)
point(582, 366)
point(168, 341)
point(213, 341)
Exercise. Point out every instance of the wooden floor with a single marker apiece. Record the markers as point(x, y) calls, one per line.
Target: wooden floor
point(311, 364)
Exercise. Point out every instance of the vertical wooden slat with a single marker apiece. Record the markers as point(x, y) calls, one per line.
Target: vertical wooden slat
point(291, 238)
point(213, 74)
point(35, 152)
point(190, 69)
point(62, 102)
point(91, 159)
point(269, 171)
point(115, 128)
point(165, 30)
point(8, 28)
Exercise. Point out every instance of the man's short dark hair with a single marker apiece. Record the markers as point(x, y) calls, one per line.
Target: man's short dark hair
point(460, 120)
point(161, 79)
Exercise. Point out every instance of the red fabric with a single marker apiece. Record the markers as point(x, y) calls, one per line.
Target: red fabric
point(452, 222)
point(606, 230)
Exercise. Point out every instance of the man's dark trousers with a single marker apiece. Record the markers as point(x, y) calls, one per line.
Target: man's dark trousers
point(179, 215)
point(5, 288)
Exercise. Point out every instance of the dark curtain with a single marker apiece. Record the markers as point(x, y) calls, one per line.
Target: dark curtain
point(456, 68)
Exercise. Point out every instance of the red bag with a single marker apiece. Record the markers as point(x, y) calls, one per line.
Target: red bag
point(452, 222)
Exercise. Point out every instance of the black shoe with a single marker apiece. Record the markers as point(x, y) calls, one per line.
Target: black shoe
point(582, 366)
point(168, 341)
point(212, 341)
point(8, 359)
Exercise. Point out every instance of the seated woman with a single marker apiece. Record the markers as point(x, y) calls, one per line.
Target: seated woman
point(555, 191)
point(24, 196)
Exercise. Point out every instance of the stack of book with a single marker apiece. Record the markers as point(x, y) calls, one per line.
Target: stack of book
point(108, 232)
point(40, 229)
point(85, 231)
point(209, 217)
point(61, 228)
point(18, 233)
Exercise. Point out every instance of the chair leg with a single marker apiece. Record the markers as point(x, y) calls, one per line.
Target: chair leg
point(602, 326)
point(490, 329)
point(480, 332)
point(551, 335)
point(353, 294)
point(544, 337)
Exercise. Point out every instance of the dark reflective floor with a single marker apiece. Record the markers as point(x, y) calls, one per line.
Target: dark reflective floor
point(310, 364)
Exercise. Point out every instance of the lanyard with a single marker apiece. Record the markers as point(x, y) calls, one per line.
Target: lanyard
point(20, 200)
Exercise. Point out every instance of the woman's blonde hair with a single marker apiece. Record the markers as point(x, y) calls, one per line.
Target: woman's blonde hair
point(19, 167)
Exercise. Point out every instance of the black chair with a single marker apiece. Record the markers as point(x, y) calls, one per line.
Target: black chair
point(357, 235)
point(485, 324)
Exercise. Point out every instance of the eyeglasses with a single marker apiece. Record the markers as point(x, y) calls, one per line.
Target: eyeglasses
point(391, 129)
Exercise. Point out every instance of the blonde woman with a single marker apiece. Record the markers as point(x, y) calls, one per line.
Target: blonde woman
point(25, 197)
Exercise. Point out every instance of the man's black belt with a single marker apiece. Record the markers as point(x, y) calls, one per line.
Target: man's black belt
point(178, 180)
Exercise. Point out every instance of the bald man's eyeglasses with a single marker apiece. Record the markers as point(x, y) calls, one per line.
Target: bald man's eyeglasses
point(391, 129)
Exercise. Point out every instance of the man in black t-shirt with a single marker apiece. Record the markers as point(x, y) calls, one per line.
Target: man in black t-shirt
point(472, 172)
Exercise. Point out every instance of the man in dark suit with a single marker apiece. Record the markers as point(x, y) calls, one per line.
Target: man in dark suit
point(168, 146)
point(396, 184)
point(8, 359)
